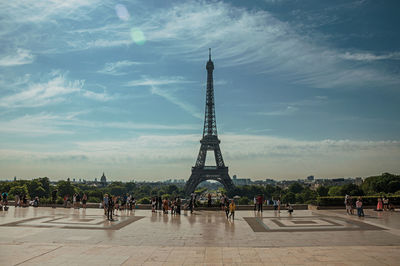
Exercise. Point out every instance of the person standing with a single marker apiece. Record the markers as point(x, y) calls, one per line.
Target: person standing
point(54, 198)
point(260, 200)
point(360, 211)
point(255, 203)
point(209, 200)
point(385, 203)
point(178, 205)
point(232, 208)
point(105, 204)
point(347, 202)
point(379, 206)
point(84, 200)
point(278, 202)
point(78, 200)
point(110, 208)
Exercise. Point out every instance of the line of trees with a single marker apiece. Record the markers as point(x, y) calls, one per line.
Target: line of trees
point(386, 183)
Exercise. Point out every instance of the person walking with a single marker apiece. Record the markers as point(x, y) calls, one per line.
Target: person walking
point(232, 208)
point(359, 206)
point(260, 200)
point(105, 204)
point(178, 205)
point(347, 204)
point(209, 200)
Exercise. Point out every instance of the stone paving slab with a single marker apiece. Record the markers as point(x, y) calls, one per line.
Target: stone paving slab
point(202, 238)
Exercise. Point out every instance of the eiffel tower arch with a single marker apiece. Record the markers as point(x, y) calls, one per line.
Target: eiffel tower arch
point(209, 142)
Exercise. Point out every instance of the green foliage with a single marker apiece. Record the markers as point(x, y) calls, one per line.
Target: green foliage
point(384, 183)
point(322, 191)
point(19, 190)
point(295, 188)
point(65, 188)
point(289, 197)
point(244, 201)
point(145, 200)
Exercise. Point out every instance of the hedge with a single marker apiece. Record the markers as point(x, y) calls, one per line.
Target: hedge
point(367, 200)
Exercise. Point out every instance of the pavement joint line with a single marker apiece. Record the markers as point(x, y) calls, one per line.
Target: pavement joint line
point(47, 252)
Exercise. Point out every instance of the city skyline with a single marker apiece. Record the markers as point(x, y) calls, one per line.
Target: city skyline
point(301, 89)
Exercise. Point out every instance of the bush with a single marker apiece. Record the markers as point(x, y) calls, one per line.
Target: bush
point(144, 200)
point(244, 201)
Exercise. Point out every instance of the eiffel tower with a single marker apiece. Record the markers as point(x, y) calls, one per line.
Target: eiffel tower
point(209, 142)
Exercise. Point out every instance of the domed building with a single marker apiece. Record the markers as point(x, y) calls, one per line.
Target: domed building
point(103, 180)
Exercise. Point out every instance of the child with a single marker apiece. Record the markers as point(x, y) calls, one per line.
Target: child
point(232, 208)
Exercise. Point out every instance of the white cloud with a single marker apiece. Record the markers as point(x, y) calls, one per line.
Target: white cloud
point(40, 94)
point(370, 56)
point(287, 111)
point(115, 67)
point(157, 82)
point(103, 97)
point(246, 155)
point(20, 57)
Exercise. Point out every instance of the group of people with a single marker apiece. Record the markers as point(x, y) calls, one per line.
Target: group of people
point(77, 199)
point(384, 204)
point(21, 200)
point(113, 204)
point(349, 203)
point(164, 205)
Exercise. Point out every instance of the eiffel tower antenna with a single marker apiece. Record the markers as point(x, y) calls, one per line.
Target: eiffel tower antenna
point(209, 142)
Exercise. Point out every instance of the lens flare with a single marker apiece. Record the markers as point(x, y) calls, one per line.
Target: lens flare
point(122, 12)
point(138, 36)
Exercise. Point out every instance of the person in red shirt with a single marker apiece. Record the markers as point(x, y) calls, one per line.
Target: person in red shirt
point(260, 200)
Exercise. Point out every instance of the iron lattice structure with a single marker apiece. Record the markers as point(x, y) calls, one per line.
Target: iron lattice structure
point(209, 142)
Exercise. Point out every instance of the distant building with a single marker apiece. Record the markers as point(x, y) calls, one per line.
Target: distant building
point(241, 181)
point(310, 178)
point(15, 178)
point(95, 179)
point(103, 180)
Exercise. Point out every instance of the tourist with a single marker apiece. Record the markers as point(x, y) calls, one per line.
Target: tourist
point(74, 201)
point(36, 202)
point(255, 203)
point(110, 208)
point(278, 202)
point(4, 200)
point(24, 201)
point(78, 200)
point(54, 198)
point(191, 203)
point(347, 202)
point(385, 203)
point(352, 205)
point(116, 204)
point(379, 206)
point(359, 206)
point(65, 201)
point(260, 200)
point(275, 204)
point(232, 208)
point(178, 205)
point(226, 207)
point(165, 206)
point(222, 203)
point(159, 203)
point(153, 204)
point(84, 200)
point(16, 201)
point(133, 203)
point(209, 200)
point(105, 203)
point(289, 208)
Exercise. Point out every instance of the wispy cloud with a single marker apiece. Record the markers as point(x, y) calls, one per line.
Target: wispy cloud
point(370, 56)
point(175, 100)
point(19, 57)
point(289, 110)
point(114, 68)
point(146, 81)
point(103, 97)
point(246, 155)
point(40, 94)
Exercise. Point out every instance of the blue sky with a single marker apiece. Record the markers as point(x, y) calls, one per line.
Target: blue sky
point(301, 87)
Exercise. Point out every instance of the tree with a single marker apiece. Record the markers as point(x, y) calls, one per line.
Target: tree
point(65, 188)
point(335, 191)
point(289, 197)
point(35, 189)
point(296, 188)
point(322, 191)
point(393, 186)
point(19, 190)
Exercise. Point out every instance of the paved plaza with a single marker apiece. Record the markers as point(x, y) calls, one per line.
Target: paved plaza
point(46, 236)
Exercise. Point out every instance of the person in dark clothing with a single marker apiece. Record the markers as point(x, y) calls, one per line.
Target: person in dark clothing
point(159, 203)
point(178, 205)
point(209, 200)
point(260, 200)
point(110, 208)
point(54, 197)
